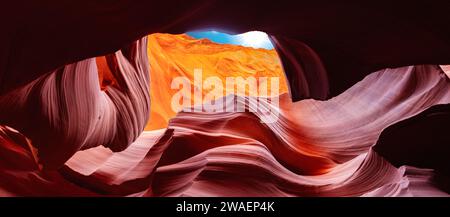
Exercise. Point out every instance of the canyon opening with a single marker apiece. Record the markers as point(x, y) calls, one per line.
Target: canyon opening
point(211, 71)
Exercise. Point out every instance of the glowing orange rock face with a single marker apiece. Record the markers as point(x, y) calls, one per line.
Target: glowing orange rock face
point(105, 75)
point(171, 56)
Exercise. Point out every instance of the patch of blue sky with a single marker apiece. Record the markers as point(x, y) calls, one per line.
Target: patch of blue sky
point(253, 39)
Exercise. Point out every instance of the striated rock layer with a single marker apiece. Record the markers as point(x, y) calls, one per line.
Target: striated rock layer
point(316, 148)
point(65, 110)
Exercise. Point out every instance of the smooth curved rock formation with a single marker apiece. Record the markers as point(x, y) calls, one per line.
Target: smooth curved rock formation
point(316, 148)
point(65, 110)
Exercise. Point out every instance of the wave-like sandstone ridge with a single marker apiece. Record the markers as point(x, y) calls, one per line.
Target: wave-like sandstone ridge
point(80, 130)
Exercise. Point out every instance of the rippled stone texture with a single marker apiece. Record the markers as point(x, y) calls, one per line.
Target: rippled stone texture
point(316, 148)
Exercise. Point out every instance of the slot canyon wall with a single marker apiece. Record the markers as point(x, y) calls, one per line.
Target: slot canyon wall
point(364, 112)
